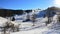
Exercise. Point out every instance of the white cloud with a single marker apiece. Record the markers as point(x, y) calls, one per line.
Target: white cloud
point(56, 3)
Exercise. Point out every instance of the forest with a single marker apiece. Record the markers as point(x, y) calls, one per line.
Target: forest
point(10, 12)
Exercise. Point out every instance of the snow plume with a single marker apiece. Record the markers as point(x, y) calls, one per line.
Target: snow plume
point(56, 3)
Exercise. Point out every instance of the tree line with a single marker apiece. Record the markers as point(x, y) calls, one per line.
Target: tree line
point(10, 12)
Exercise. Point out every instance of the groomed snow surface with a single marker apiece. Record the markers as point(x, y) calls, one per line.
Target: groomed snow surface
point(39, 28)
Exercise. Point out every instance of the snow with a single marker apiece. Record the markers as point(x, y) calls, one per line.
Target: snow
point(39, 28)
point(25, 27)
point(52, 28)
point(34, 31)
point(2, 21)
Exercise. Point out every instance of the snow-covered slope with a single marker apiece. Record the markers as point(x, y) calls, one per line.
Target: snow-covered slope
point(2, 21)
point(52, 28)
point(39, 28)
point(41, 14)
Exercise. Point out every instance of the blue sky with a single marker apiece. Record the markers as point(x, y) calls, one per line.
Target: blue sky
point(25, 4)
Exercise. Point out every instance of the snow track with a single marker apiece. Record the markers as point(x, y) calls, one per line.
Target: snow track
point(32, 27)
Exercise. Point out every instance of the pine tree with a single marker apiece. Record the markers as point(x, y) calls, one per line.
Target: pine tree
point(13, 19)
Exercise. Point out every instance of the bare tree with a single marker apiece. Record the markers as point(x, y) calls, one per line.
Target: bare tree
point(33, 18)
point(49, 13)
